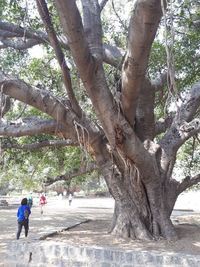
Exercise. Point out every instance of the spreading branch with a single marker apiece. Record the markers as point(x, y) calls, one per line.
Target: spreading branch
point(72, 174)
point(188, 182)
point(38, 145)
point(87, 60)
point(71, 20)
point(182, 128)
point(44, 101)
point(142, 29)
point(117, 130)
point(19, 31)
point(20, 44)
point(163, 124)
point(30, 126)
point(191, 104)
point(41, 99)
point(44, 14)
point(24, 37)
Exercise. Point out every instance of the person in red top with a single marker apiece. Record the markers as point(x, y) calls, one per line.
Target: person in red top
point(43, 202)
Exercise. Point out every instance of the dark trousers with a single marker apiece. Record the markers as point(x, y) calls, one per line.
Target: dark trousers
point(24, 223)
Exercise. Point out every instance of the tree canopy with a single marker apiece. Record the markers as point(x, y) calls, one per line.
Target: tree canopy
point(118, 80)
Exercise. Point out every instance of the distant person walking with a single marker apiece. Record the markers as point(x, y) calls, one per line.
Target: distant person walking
point(30, 200)
point(43, 202)
point(23, 217)
point(70, 197)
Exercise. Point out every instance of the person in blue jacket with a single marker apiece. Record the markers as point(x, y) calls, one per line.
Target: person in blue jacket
point(23, 217)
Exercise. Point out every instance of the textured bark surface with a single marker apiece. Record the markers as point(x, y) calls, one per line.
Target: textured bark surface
point(123, 141)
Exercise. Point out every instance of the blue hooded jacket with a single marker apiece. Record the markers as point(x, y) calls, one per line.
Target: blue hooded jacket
point(20, 212)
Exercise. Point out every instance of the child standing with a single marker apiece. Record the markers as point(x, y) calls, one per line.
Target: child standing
point(70, 199)
point(23, 217)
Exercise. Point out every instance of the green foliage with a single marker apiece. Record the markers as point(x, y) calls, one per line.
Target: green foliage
point(2, 6)
point(29, 169)
point(25, 169)
point(188, 159)
point(157, 62)
point(115, 23)
point(50, 76)
point(12, 60)
point(183, 43)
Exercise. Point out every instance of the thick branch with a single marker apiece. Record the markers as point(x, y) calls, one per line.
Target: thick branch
point(90, 67)
point(175, 137)
point(8, 34)
point(72, 174)
point(44, 13)
point(119, 133)
point(111, 54)
point(73, 29)
point(22, 32)
point(38, 145)
point(182, 127)
point(40, 99)
point(162, 125)
point(190, 105)
point(29, 126)
point(142, 29)
point(20, 44)
point(188, 182)
point(92, 27)
point(145, 125)
point(72, 126)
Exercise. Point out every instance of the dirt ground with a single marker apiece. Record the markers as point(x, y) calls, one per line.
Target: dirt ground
point(95, 233)
point(59, 215)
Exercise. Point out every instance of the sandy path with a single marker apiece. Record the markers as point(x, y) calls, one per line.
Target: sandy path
point(58, 215)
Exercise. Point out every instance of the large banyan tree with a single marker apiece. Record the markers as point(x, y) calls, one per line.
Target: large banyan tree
point(134, 149)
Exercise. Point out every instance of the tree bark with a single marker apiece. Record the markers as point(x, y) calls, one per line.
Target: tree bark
point(141, 214)
point(137, 170)
point(141, 209)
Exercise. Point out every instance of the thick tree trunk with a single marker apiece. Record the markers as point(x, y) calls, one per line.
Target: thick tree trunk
point(141, 213)
point(128, 223)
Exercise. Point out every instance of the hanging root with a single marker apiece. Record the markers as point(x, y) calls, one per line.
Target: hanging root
point(1, 102)
point(171, 83)
point(123, 159)
point(83, 140)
